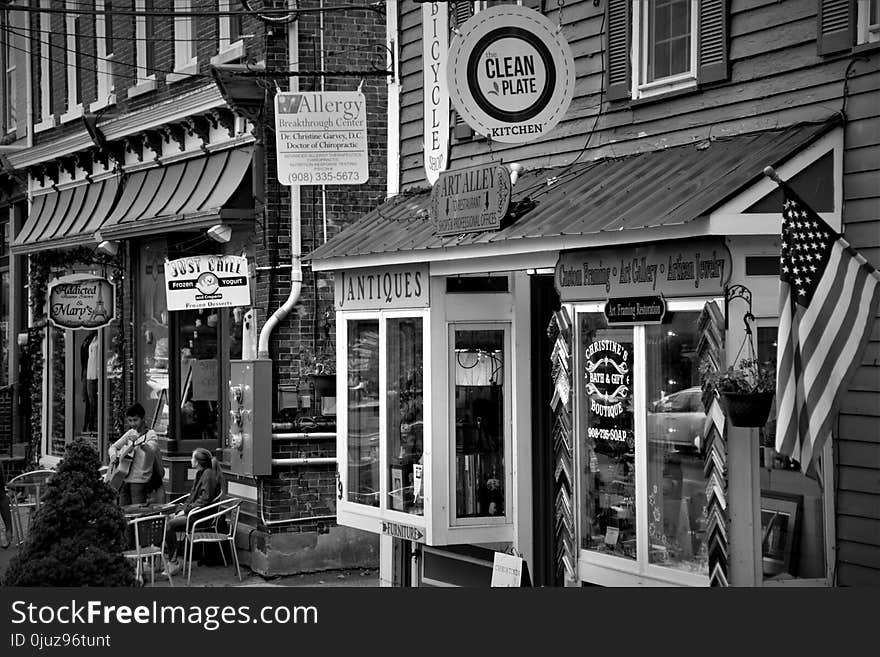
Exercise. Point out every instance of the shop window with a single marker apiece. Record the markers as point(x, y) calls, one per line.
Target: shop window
point(363, 411)
point(199, 371)
point(405, 414)
point(643, 501)
point(660, 46)
point(153, 336)
point(479, 412)
point(4, 324)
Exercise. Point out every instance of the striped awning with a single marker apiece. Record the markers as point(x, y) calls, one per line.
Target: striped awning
point(66, 218)
point(185, 195)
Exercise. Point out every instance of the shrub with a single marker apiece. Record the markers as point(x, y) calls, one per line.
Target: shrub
point(78, 536)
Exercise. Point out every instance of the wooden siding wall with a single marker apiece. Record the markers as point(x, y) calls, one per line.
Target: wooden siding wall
point(777, 79)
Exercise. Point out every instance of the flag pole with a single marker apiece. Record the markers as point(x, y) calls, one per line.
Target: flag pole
point(770, 172)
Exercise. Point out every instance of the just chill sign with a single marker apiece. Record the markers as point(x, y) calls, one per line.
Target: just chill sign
point(207, 281)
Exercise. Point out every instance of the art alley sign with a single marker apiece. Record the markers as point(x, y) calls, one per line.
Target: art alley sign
point(81, 301)
point(435, 93)
point(376, 288)
point(321, 138)
point(207, 281)
point(470, 200)
point(681, 268)
point(511, 74)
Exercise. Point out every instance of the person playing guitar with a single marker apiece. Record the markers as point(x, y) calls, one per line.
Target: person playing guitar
point(133, 459)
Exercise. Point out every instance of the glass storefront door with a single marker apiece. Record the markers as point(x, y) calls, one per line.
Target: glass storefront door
point(642, 489)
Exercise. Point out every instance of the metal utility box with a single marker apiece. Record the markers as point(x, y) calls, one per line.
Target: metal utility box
point(250, 408)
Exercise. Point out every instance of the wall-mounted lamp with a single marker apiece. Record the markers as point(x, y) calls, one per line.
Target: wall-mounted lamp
point(220, 233)
point(108, 247)
point(515, 169)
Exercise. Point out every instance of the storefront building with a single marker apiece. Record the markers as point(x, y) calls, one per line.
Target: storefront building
point(535, 387)
point(147, 178)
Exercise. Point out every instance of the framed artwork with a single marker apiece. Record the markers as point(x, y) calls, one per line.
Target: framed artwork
point(397, 488)
point(780, 527)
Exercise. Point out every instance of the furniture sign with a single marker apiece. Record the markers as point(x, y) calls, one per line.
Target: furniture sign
point(405, 532)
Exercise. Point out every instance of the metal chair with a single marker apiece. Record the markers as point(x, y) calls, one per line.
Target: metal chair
point(25, 496)
point(206, 529)
point(149, 543)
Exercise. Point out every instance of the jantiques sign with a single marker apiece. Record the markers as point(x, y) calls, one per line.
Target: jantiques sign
point(510, 74)
point(207, 281)
point(81, 301)
point(681, 268)
point(404, 286)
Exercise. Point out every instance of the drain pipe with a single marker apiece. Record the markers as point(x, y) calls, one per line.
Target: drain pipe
point(295, 232)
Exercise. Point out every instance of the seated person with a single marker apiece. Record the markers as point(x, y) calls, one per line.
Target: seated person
point(207, 488)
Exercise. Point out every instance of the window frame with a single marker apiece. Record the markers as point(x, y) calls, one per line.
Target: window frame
point(145, 82)
point(641, 53)
point(47, 116)
point(186, 60)
point(73, 99)
point(227, 49)
point(106, 88)
point(867, 33)
point(361, 515)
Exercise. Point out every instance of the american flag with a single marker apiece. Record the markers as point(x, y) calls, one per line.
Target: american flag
point(827, 304)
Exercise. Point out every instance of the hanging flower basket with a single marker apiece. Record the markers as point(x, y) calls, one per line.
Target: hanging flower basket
point(325, 384)
point(747, 409)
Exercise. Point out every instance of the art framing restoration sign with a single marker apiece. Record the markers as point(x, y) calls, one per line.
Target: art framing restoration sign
point(511, 74)
point(635, 310)
point(679, 268)
point(207, 281)
point(81, 301)
point(380, 288)
point(321, 138)
point(470, 200)
point(435, 92)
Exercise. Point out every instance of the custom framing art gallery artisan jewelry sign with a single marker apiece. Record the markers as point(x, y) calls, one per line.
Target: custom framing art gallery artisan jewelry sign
point(207, 281)
point(510, 73)
point(470, 200)
point(81, 301)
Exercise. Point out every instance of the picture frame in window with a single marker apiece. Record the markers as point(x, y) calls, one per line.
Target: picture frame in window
point(780, 527)
point(397, 488)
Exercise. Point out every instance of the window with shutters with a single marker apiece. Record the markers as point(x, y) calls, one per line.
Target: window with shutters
point(868, 21)
point(656, 47)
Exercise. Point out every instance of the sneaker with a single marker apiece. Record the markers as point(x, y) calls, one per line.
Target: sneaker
point(171, 569)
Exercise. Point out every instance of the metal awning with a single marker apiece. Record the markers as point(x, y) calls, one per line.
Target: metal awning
point(657, 189)
point(66, 218)
point(185, 195)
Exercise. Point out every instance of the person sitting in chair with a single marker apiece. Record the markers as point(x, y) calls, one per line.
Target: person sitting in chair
point(208, 487)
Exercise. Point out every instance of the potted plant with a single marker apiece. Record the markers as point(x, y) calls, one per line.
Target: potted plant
point(745, 391)
point(321, 369)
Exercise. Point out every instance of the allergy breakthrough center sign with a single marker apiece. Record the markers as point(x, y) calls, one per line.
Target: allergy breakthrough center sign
point(510, 74)
point(207, 281)
point(321, 138)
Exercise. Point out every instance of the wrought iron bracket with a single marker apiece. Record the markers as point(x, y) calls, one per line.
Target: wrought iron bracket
point(732, 292)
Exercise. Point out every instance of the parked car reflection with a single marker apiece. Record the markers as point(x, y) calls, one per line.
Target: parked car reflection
point(678, 418)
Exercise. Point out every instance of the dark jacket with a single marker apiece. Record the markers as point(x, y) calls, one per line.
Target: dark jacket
point(207, 488)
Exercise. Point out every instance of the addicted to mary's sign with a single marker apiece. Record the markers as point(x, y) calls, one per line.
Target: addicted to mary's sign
point(510, 74)
point(81, 301)
point(207, 281)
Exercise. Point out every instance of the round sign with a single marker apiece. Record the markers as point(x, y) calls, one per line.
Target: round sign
point(510, 74)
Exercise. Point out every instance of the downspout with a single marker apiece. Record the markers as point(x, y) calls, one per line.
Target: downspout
point(295, 226)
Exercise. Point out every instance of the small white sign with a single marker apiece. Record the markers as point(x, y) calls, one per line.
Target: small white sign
point(507, 570)
point(207, 281)
point(511, 74)
point(321, 138)
point(435, 49)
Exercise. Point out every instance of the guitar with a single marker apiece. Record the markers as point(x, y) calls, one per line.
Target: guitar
point(122, 466)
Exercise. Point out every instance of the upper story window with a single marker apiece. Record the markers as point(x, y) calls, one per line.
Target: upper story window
point(660, 46)
point(104, 47)
point(185, 56)
point(230, 32)
point(9, 92)
point(145, 45)
point(43, 86)
point(868, 21)
point(72, 25)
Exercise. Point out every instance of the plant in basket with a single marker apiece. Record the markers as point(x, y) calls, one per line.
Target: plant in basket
point(745, 391)
point(320, 368)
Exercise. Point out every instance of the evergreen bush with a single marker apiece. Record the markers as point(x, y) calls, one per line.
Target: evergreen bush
point(77, 537)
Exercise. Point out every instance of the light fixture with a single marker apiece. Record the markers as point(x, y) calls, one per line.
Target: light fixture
point(109, 247)
point(515, 168)
point(220, 233)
